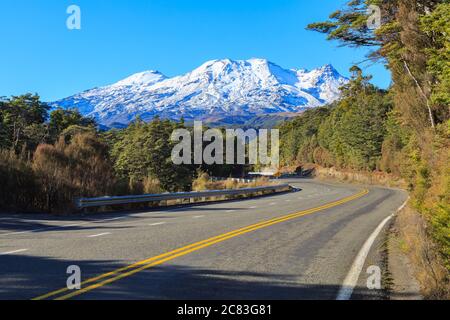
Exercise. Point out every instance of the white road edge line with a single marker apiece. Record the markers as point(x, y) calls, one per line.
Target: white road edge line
point(13, 252)
point(99, 235)
point(157, 224)
point(198, 217)
point(350, 282)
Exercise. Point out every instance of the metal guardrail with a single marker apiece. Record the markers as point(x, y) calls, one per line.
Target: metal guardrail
point(83, 203)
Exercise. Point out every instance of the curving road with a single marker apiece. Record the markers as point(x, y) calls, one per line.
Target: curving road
point(299, 245)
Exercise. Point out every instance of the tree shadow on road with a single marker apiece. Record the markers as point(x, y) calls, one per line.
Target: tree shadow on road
point(9, 227)
point(26, 277)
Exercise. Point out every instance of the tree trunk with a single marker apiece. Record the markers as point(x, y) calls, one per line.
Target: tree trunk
point(422, 92)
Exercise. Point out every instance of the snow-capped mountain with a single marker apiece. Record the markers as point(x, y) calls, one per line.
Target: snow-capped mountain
point(217, 89)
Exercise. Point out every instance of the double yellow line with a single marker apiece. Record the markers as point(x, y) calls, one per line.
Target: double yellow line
point(115, 275)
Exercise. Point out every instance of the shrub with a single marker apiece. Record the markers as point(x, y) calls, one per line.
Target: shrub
point(66, 171)
point(202, 181)
point(152, 185)
point(231, 184)
point(18, 188)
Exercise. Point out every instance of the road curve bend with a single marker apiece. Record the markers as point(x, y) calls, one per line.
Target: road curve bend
point(298, 245)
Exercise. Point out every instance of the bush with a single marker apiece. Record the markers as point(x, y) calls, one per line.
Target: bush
point(68, 170)
point(231, 184)
point(152, 186)
point(202, 181)
point(51, 167)
point(18, 187)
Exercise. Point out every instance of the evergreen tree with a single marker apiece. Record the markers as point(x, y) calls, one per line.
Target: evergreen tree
point(22, 122)
point(144, 150)
point(355, 131)
point(62, 119)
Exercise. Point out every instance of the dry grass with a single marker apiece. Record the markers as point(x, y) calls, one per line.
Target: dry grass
point(152, 186)
point(204, 183)
point(369, 178)
point(413, 235)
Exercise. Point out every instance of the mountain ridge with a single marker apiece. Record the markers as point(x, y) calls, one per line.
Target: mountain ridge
point(218, 88)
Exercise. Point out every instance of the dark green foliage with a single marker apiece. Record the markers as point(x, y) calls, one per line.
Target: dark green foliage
point(437, 28)
point(22, 122)
point(144, 150)
point(299, 136)
point(25, 123)
point(349, 25)
point(62, 119)
point(348, 134)
point(355, 131)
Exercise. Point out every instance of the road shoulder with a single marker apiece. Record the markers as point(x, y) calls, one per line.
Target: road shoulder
point(403, 285)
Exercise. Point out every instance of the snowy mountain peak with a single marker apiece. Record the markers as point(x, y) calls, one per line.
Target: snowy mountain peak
point(329, 70)
point(143, 78)
point(218, 89)
point(328, 67)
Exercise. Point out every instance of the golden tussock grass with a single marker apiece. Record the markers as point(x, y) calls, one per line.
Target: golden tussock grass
point(414, 236)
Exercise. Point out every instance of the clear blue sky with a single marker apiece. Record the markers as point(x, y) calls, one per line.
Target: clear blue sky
point(118, 38)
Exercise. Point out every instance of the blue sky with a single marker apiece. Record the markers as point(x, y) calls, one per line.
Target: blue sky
point(119, 38)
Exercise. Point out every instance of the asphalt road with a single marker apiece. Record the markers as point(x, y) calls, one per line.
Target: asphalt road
point(299, 245)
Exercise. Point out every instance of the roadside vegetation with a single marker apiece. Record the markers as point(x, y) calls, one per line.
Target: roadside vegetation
point(404, 131)
point(48, 158)
point(204, 182)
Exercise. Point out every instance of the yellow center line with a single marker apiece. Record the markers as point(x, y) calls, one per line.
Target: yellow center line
point(120, 273)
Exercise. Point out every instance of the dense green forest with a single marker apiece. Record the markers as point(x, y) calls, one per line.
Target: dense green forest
point(404, 130)
point(348, 134)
